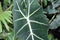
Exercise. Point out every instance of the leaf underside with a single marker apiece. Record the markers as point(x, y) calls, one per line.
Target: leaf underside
point(29, 21)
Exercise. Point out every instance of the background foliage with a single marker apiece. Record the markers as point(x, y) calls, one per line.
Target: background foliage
point(50, 12)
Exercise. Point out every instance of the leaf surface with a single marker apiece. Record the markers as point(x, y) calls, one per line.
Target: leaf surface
point(30, 23)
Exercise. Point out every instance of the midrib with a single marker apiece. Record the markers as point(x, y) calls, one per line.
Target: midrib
point(31, 32)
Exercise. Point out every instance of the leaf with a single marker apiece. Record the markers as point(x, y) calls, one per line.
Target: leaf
point(55, 23)
point(51, 9)
point(10, 36)
point(6, 17)
point(7, 1)
point(45, 2)
point(0, 27)
point(0, 8)
point(51, 37)
point(7, 36)
point(30, 23)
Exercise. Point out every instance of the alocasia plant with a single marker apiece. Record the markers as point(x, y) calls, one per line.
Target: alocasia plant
point(30, 23)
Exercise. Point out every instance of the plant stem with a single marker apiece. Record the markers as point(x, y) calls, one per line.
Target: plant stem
point(9, 7)
point(52, 18)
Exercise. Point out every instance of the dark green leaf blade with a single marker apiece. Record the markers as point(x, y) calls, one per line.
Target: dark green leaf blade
point(29, 23)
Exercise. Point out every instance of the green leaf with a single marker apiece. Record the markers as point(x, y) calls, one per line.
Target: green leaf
point(0, 27)
point(7, 36)
point(52, 8)
point(29, 23)
point(55, 23)
point(0, 8)
point(45, 2)
point(10, 36)
point(7, 1)
point(5, 23)
point(51, 37)
point(5, 18)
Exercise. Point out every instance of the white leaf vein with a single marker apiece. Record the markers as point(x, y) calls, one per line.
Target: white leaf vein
point(20, 10)
point(30, 28)
point(38, 37)
point(19, 19)
point(28, 7)
point(34, 12)
point(28, 36)
point(31, 2)
point(21, 28)
point(29, 20)
point(37, 22)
